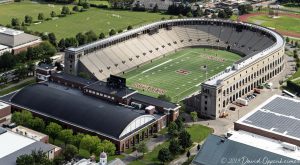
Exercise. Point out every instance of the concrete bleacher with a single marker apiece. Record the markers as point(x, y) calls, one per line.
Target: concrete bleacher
point(136, 51)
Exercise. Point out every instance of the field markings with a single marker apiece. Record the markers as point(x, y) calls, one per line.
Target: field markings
point(157, 66)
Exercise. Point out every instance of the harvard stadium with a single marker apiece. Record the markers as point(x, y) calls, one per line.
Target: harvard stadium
point(144, 56)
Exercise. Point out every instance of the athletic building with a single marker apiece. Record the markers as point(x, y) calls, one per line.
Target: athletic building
point(16, 41)
point(109, 110)
point(277, 118)
point(261, 48)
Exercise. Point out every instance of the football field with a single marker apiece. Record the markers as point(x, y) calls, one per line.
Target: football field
point(180, 74)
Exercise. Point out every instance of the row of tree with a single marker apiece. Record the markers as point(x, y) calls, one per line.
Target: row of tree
point(180, 141)
point(41, 52)
point(71, 142)
point(83, 38)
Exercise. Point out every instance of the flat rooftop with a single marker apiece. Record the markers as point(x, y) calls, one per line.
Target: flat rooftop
point(263, 143)
point(218, 150)
point(3, 105)
point(101, 86)
point(3, 47)
point(8, 31)
point(73, 78)
point(11, 142)
point(279, 115)
point(153, 101)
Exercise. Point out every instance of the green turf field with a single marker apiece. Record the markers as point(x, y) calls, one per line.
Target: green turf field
point(98, 20)
point(282, 23)
point(180, 74)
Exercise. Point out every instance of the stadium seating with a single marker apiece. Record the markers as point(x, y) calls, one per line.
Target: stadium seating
point(133, 52)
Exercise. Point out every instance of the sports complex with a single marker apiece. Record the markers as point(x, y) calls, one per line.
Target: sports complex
point(216, 61)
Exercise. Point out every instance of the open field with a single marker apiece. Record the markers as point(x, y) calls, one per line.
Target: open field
point(286, 24)
point(180, 74)
point(98, 20)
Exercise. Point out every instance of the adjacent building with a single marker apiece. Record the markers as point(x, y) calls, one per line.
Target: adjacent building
point(16, 41)
point(13, 145)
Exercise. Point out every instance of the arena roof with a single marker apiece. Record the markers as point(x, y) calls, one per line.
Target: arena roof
point(279, 115)
point(72, 107)
point(217, 150)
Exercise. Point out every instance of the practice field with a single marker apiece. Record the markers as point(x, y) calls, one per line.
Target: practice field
point(180, 74)
point(282, 23)
point(286, 24)
point(98, 20)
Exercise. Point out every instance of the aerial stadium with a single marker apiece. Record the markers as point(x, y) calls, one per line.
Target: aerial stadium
point(207, 63)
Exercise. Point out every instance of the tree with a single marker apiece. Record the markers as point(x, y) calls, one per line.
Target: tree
point(28, 19)
point(296, 44)
point(22, 118)
point(179, 123)
point(198, 147)
point(155, 8)
point(71, 42)
point(287, 39)
point(36, 157)
point(65, 10)
point(7, 61)
point(174, 146)
point(37, 124)
point(199, 12)
point(81, 38)
point(24, 160)
point(91, 36)
point(107, 147)
point(194, 116)
point(164, 97)
point(188, 154)
point(228, 12)
point(172, 129)
point(53, 14)
point(185, 139)
point(53, 130)
point(52, 39)
point(77, 139)
point(112, 32)
point(189, 14)
point(164, 155)
point(62, 44)
point(222, 14)
point(69, 152)
point(101, 36)
point(41, 16)
point(66, 135)
point(86, 5)
point(142, 148)
point(76, 8)
point(129, 27)
point(15, 22)
point(90, 143)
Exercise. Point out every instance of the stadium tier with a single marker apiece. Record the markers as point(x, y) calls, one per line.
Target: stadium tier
point(262, 50)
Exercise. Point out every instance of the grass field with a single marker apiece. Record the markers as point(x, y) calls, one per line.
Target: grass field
point(199, 132)
point(180, 74)
point(285, 23)
point(98, 20)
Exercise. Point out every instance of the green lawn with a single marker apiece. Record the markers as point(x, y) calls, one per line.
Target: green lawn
point(199, 132)
point(98, 20)
point(31, 8)
point(180, 74)
point(282, 23)
point(98, 2)
point(151, 157)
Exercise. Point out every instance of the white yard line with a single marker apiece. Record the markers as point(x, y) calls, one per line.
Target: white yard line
point(157, 66)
